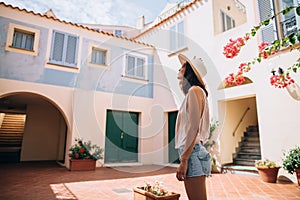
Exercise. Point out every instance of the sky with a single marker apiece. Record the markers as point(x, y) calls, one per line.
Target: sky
point(106, 12)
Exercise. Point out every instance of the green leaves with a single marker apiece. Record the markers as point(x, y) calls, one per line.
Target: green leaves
point(298, 10)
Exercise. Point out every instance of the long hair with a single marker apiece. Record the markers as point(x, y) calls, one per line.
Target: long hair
point(190, 79)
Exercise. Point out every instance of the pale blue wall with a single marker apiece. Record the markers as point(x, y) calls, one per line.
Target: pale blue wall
point(24, 67)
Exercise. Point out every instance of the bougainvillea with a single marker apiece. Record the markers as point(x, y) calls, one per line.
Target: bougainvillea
point(282, 78)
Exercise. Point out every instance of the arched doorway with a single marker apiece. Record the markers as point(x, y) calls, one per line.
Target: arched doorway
point(32, 128)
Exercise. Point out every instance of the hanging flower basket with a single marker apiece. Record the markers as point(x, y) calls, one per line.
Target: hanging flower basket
point(141, 194)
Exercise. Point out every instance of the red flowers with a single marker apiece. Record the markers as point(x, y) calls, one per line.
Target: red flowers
point(281, 81)
point(233, 47)
point(81, 150)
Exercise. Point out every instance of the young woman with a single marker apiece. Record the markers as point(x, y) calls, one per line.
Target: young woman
point(192, 129)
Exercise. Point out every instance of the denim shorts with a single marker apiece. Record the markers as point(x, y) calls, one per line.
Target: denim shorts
point(199, 163)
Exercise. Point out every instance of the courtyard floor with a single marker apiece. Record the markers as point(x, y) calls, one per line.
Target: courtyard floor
point(50, 181)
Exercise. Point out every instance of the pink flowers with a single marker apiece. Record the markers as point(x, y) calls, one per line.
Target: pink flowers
point(233, 47)
point(281, 80)
point(265, 50)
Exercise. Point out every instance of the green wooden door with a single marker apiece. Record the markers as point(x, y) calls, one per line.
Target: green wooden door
point(173, 154)
point(121, 143)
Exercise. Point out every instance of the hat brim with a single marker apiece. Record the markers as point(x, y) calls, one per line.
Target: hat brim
point(183, 59)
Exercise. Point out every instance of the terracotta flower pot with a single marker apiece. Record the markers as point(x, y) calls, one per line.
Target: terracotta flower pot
point(140, 194)
point(82, 164)
point(298, 175)
point(268, 174)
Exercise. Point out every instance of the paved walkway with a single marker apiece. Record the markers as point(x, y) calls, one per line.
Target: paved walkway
point(50, 181)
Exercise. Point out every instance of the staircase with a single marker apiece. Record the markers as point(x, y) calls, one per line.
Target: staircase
point(249, 148)
point(11, 136)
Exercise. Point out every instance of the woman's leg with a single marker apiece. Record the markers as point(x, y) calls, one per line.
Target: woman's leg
point(196, 188)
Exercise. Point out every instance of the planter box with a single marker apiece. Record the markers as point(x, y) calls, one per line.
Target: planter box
point(268, 174)
point(82, 165)
point(140, 194)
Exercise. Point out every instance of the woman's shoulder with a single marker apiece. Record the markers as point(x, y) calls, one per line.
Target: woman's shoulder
point(196, 90)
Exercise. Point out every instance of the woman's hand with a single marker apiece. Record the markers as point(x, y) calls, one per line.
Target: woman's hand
point(181, 170)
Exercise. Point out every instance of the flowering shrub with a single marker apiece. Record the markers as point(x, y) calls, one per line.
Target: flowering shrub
point(265, 50)
point(265, 163)
point(85, 150)
point(156, 189)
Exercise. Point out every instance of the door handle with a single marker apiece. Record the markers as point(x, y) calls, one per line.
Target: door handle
point(122, 135)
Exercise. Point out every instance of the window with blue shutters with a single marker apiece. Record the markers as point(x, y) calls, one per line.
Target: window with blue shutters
point(64, 49)
point(135, 66)
point(177, 36)
point(22, 39)
point(282, 25)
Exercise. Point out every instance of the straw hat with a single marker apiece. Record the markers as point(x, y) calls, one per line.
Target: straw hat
point(197, 66)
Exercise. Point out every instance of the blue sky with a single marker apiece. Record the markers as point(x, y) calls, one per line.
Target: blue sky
point(108, 12)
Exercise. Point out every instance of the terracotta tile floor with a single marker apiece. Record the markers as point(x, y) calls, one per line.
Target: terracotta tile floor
point(49, 181)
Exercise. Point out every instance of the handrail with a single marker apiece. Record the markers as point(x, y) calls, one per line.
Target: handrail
point(240, 121)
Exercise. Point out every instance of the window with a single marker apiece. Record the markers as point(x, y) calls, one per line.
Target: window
point(98, 56)
point(64, 49)
point(283, 25)
point(177, 38)
point(227, 22)
point(22, 39)
point(118, 32)
point(135, 67)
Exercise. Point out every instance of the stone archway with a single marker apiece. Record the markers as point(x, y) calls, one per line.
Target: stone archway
point(44, 132)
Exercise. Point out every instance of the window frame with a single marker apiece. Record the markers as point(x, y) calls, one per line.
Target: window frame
point(224, 18)
point(135, 76)
point(177, 36)
point(100, 48)
point(64, 50)
point(12, 28)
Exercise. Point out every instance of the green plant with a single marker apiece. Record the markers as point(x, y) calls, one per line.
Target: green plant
point(291, 160)
point(265, 163)
point(156, 188)
point(85, 150)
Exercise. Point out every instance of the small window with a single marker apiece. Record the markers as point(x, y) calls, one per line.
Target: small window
point(135, 67)
point(22, 39)
point(227, 22)
point(118, 32)
point(177, 39)
point(64, 49)
point(98, 56)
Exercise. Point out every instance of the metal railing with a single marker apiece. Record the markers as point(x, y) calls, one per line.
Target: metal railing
point(240, 121)
point(289, 26)
point(174, 9)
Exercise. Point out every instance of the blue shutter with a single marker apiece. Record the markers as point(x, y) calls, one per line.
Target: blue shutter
point(140, 67)
point(173, 38)
point(180, 34)
point(71, 50)
point(57, 47)
point(268, 33)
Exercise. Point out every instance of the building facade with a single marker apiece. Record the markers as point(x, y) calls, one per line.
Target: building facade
point(76, 81)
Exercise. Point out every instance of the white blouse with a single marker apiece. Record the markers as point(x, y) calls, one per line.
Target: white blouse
point(193, 118)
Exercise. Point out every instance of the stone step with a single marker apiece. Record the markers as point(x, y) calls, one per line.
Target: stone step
point(241, 161)
point(251, 134)
point(252, 128)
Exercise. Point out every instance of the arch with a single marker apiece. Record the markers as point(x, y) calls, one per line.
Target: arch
point(46, 126)
point(223, 85)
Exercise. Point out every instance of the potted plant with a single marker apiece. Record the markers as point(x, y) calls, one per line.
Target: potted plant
point(83, 155)
point(268, 170)
point(291, 162)
point(154, 192)
point(212, 146)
